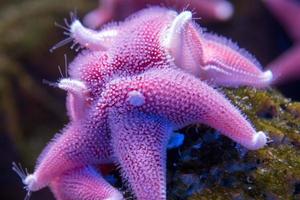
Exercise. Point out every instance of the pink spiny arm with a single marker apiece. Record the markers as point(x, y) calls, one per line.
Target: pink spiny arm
point(207, 56)
point(228, 65)
point(110, 9)
point(140, 145)
point(287, 66)
point(94, 40)
point(101, 15)
point(216, 10)
point(76, 147)
point(212, 57)
point(76, 102)
point(83, 184)
point(183, 100)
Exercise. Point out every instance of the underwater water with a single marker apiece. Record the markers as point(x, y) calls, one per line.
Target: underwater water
point(206, 166)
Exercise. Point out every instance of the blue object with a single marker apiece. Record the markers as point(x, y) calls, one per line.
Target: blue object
point(175, 140)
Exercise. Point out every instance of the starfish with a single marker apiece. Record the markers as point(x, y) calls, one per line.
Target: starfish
point(286, 66)
point(136, 83)
point(110, 9)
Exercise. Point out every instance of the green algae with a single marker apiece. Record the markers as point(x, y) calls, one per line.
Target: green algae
point(279, 171)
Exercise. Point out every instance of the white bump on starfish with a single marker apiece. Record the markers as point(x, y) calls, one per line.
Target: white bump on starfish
point(89, 38)
point(136, 98)
point(224, 10)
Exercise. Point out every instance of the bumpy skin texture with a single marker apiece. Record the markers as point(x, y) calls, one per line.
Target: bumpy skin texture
point(148, 137)
point(287, 66)
point(110, 9)
point(126, 99)
point(82, 183)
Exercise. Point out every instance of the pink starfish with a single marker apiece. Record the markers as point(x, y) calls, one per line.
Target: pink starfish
point(137, 83)
point(287, 66)
point(110, 9)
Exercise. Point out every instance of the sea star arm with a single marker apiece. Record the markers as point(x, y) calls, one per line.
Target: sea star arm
point(213, 58)
point(287, 66)
point(219, 10)
point(101, 15)
point(207, 56)
point(183, 99)
point(288, 13)
point(74, 148)
point(76, 102)
point(83, 183)
point(108, 10)
point(91, 39)
point(225, 63)
point(139, 143)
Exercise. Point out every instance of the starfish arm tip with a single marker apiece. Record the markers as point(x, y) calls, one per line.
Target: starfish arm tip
point(72, 85)
point(75, 26)
point(89, 38)
point(176, 28)
point(224, 10)
point(267, 76)
point(30, 182)
point(259, 140)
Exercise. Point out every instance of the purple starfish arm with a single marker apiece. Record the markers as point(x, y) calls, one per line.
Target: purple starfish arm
point(287, 66)
point(72, 149)
point(207, 56)
point(288, 14)
point(108, 10)
point(83, 184)
point(140, 145)
point(77, 95)
point(182, 99)
point(211, 57)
